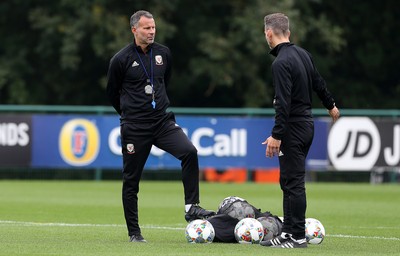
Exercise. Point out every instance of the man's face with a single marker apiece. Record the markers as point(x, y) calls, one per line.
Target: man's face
point(145, 31)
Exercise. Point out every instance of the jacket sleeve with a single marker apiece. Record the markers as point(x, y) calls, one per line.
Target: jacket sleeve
point(320, 88)
point(168, 71)
point(114, 83)
point(282, 100)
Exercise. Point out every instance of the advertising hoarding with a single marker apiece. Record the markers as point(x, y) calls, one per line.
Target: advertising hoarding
point(92, 141)
point(15, 140)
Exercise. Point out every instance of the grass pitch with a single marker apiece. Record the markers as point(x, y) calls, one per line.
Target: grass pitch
point(86, 218)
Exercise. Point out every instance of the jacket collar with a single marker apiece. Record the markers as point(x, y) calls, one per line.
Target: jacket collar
point(139, 48)
point(276, 49)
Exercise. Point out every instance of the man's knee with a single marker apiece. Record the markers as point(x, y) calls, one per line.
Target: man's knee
point(190, 152)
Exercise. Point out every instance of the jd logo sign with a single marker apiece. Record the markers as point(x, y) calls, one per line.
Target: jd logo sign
point(354, 144)
point(358, 143)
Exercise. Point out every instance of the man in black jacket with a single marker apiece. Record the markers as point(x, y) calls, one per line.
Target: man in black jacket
point(295, 78)
point(138, 76)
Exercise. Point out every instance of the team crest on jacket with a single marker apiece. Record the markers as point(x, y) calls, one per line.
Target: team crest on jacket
point(130, 148)
point(158, 59)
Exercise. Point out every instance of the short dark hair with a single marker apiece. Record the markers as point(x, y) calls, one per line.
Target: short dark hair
point(278, 22)
point(136, 17)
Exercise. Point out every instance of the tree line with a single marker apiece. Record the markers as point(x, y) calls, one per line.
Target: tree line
point(57, 52)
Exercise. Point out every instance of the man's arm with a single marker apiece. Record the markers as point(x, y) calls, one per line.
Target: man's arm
point(167, 75)
point(320, 87)
point(114, 83)
point(282, 101)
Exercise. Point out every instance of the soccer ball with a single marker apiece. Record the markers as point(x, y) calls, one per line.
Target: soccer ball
point(271, 229)
point(315, 231)
point(199, 232)
point(249, 231)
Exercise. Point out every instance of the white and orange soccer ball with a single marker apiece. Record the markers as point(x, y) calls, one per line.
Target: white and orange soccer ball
point(315, 231)
point(200, 232)
point(249, 231)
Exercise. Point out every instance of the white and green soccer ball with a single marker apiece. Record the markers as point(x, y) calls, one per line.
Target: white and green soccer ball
point(199, 232)
point(249, 231)
point(315, 231)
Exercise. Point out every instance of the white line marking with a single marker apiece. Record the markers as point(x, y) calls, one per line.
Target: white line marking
point(366, 237)
point(51, 224)
point(345, 227)
point(41, 224)
point(26, 223)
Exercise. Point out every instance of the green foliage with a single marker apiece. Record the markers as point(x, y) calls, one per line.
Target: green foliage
point(228, 64)
point(55, 52)
point(364, 73)
point(86, 218)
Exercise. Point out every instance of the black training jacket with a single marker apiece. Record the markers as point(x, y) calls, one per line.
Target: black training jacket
point(295, 77)
point(127, 80)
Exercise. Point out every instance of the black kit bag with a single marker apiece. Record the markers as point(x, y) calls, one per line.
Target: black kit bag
point(231, 210)
point(224, 227)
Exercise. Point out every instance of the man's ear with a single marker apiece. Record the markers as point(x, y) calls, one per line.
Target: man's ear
point(269, 33)
point(133, 29)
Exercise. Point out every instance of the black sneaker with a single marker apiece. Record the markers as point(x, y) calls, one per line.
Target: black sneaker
point(291, 245)
point(137, 238)
point(276, 241)
point(196, 212)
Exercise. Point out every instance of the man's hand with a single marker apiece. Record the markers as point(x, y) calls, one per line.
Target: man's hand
point(273, 147)
point(334, 113)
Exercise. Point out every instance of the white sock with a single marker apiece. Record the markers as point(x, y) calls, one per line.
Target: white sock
point(187, 207)
point(285, 235)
